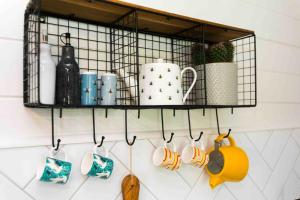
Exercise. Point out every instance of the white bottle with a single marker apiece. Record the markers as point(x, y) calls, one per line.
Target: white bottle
point(47, 72)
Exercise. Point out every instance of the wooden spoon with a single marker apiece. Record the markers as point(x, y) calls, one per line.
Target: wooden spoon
point(130, 187)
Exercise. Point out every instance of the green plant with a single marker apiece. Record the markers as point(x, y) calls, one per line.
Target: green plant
point(221, 52)
point(198, 57)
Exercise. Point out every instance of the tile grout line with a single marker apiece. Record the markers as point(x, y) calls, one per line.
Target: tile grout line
point(183, 179)
point(11, 39)
point(78, 188)
point(287, 141)
point(218, 192)
point(230, 192)
point(119, 194)
point(285, 182)
point(29, 182)
point(298, 176)
point(278, 42)
point(260, 190)
point(272, 10)
point(149, 191)
point(15, 184)
point(263, 149)
point(194, 185)
point(295, 140)
point(260, 153)
point(285, 145)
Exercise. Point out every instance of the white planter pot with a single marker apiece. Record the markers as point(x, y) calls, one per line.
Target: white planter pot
point(221, 84)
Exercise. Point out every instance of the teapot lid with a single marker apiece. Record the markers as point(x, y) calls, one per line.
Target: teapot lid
point(160, 60)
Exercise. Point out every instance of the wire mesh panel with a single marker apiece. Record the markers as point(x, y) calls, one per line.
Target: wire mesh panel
point(91, 45)
point(182, 50)
point(31, 56)
point(125, 59)
point(245, 58)
point(122, 48)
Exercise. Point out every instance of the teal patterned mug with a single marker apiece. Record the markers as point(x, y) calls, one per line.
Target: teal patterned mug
point(94, 164)
point(54, 170)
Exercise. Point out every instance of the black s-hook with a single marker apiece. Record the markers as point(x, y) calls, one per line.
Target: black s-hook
point(218, 126)
point(190, 129)
point(94, 131)
point(163, 128)
point(126, 133)
point(52, 125)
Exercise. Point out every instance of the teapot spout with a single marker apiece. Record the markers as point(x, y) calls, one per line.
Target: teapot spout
point(215, 181)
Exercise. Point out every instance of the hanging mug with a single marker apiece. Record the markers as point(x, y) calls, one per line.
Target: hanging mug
point(194, 155)
point(97, 165)
point(166, 157)
point(54, 168)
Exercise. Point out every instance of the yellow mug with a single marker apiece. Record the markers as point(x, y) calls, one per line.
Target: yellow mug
point(226, 162)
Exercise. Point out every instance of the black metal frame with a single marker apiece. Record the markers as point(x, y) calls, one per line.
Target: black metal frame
point(111, 47)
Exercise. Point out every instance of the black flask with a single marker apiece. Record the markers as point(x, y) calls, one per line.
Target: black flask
point(67, 76)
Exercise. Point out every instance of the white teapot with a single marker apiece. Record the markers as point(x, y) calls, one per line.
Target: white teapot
point(160, 83)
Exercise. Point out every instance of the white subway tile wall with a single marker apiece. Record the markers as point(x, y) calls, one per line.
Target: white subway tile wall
point(269, 133)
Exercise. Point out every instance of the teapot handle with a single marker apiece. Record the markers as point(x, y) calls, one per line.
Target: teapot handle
point(221, 137)
point(193, 83)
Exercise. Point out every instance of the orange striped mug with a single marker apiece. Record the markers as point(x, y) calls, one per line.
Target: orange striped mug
point(167, 157)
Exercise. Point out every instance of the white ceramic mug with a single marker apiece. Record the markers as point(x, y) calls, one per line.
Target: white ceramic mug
point(193, 155)
point(54, 168)
point(166, 157)
point(97, 165)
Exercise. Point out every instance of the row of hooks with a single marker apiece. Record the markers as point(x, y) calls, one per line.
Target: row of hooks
point(130, 143)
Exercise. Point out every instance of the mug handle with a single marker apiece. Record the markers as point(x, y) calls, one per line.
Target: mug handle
point(53, 153)
point(95, 150)
point(221, 137)
point(193, 83)
point(173, 145)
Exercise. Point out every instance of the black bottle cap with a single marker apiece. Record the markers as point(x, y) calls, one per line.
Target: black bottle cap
point(68, 38)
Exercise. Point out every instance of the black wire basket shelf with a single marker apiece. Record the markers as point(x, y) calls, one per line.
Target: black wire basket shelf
point(128, 39)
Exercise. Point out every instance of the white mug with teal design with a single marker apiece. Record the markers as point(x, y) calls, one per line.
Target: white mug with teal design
point(97, 165)
point(54, 168)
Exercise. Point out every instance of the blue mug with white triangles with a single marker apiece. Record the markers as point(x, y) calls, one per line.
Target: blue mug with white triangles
point(54, 169)
point(97, 165)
